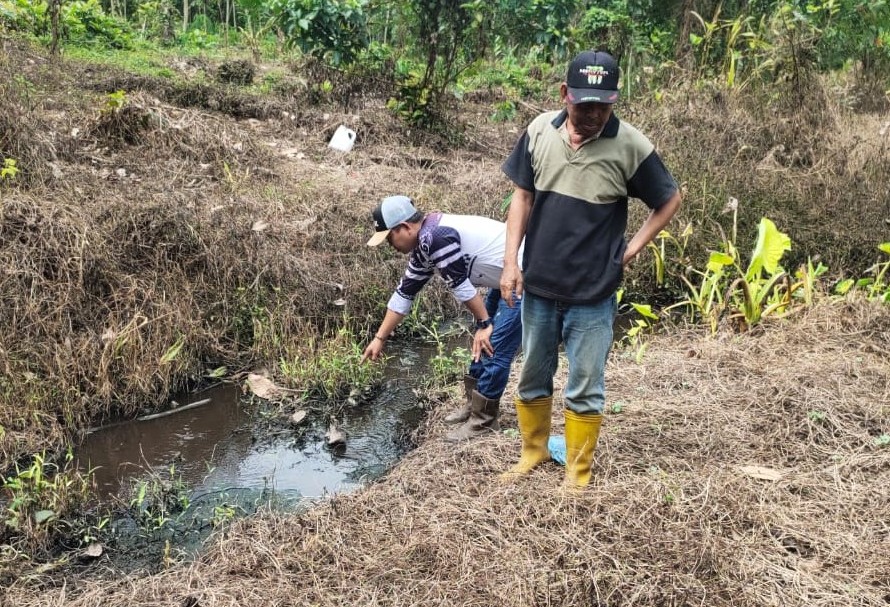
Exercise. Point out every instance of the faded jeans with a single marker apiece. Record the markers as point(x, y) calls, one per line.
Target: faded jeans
point(493, 372)
point(586, 332)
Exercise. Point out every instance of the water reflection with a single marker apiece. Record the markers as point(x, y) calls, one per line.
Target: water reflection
point(218, 446)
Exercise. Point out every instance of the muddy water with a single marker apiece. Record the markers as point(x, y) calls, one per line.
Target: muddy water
point(223, 446)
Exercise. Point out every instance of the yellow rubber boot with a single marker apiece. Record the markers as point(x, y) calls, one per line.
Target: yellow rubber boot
point(582, 432)
point(534, 425)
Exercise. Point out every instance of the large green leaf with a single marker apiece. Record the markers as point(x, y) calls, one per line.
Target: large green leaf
point(718, 260)
point(771, 246)
point(645, 310)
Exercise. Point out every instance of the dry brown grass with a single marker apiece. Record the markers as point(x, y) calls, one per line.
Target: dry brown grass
point(812, 167)
point(153, 224)
point(671, 517)
point(134, 228)
point(130, 228)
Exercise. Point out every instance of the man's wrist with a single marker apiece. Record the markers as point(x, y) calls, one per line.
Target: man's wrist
point(380, 337)
point(483, 324)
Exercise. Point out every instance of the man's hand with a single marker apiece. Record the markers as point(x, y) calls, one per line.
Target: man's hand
point(511, 284)
point(482, 343)
point(374, 349)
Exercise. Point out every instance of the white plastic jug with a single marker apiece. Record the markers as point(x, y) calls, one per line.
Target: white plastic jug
point(343, 139)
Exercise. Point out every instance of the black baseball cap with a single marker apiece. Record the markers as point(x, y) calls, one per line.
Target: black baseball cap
point(593, 76)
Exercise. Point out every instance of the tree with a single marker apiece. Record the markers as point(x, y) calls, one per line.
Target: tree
point(55, 8)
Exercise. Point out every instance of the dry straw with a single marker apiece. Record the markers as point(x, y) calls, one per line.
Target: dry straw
point(715, 485)
point(742, 470)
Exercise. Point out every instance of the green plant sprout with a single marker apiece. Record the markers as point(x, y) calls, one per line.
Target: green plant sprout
point(705, 299)
point(156, 499)
point(875, 288)
point(10, 170)
point(816, 416)
point(659, 252)
point(634, 334)
point(114, 102)
point(807, 281)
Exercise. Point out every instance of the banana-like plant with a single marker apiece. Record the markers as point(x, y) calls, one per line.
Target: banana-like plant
point(762, 289)
point(756, 293)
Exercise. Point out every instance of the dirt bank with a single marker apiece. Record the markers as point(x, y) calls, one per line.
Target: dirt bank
point(159, 220)
point(741, 470)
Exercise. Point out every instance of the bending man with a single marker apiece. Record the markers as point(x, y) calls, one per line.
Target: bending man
point(468, 252)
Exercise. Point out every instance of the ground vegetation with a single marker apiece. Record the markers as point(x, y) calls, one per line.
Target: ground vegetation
point(171, 216)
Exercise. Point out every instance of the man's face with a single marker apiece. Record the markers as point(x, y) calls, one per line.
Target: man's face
point(401, 238)
point(587, 119)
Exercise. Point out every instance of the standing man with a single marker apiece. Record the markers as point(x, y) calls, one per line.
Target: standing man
point(574, 170)
point(468, 252)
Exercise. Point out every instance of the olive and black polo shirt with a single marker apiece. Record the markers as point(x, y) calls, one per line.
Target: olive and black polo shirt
point(574, 241)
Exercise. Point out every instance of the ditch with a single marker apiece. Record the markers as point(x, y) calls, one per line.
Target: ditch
point(174, 478)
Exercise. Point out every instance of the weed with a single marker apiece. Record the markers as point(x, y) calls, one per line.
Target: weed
point(816, 416)
point(330, 369)
point(504, 111)
point(448, 367)
point(704, 300)
point(807, 276)
point(445, 366)
point(47, 501)
point(9, 171)
point(156, 498)
point(658, 247)
point(222, 514)
point(877, 288)
point(634, 335)
point(114, 102)
point(761, 289)
point(882, 441)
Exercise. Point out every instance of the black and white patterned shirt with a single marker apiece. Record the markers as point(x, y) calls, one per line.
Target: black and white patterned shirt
point(466, 250)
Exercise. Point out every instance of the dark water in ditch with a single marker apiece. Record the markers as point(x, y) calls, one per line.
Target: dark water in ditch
point(223, 446)
point(172, 480)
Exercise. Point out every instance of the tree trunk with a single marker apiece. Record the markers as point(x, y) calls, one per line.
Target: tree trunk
point(55, 8)
point(185, 16)
point(227, 23)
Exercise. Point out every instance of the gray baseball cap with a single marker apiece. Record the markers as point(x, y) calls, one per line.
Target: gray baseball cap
point(391, 211)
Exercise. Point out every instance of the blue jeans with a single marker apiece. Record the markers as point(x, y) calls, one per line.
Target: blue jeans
point(586, 332)
point(493, 372)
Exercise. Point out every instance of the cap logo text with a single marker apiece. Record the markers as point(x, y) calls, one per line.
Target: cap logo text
point(595, 73)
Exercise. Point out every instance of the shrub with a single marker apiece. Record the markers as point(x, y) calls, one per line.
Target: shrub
point(335, 30)
point(24, 15)
point(85, 22)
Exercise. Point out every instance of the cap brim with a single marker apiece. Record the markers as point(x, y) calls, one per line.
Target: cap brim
point(378, 238)
point(576, 96)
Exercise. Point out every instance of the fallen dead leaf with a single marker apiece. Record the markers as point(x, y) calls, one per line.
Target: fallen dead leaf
point(335, 436)
point(263, 387)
